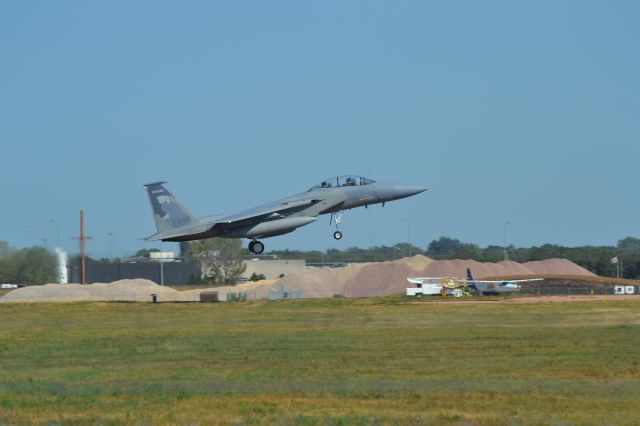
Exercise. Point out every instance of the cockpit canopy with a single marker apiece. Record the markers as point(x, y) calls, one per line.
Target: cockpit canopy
point(346, 180)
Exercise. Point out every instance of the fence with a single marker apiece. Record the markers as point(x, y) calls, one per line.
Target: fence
point(172, 272)
point(550, 291)
point(283, 293)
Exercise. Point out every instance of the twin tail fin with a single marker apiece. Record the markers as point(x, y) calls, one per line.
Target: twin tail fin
point(168, 212)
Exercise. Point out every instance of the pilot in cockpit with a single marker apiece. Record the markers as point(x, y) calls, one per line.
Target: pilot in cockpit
point(326, 184)
point(351, 181)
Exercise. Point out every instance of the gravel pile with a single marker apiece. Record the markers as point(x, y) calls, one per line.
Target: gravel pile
point(356, 280)
point(123, 290)
point(557, 267)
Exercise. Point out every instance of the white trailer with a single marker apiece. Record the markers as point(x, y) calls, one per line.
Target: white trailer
point(6, 286)
point(624, 289)
point(432, 286)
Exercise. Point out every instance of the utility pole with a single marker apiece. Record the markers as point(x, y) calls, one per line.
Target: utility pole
point(44, 241)
point(83, 238)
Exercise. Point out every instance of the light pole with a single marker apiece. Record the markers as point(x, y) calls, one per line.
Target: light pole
point(504, 240)
point(408, 234)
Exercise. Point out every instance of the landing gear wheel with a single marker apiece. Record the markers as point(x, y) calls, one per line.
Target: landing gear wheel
point(256, 247)
point(337, 235)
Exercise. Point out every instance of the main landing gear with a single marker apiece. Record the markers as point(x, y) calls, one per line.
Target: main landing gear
point(256, 247)
point(338, 219)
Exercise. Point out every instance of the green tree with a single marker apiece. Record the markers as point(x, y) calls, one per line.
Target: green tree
point(443, 248)
point(34, 265)
point(467, 251)
point(628, 252)
point(146, 252)
point(4, 248)
point(496, 253)
point(630, 244)
point(257, 277)
point(220, 259)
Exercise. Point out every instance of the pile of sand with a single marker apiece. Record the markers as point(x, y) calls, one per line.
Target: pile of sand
point(123, 290)
point(322, 282)
point(355, 280)
point(379, 279)
point(557, 267)
point(417, 262)
point(458, 268)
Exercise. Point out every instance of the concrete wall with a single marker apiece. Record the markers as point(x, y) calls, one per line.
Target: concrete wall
point(273, 268)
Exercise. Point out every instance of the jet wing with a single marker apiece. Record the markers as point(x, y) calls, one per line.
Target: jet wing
point(265, 210)
point(179, 232)
point(245, 216)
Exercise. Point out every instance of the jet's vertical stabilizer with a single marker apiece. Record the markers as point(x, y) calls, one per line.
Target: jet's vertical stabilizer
point(470, 280)
point(168, 212)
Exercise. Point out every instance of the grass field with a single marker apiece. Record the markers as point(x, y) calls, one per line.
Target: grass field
point(320, 362)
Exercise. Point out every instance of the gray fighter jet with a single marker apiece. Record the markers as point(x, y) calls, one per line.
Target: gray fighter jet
point(175, 222)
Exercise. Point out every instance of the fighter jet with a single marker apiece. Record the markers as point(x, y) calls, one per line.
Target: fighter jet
point(175, 222)
point(496, 287)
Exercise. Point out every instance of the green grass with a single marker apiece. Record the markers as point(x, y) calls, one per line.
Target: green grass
point(317, 362)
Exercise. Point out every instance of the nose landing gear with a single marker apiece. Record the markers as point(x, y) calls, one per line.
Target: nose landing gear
point(337, 217)
point(256, 247)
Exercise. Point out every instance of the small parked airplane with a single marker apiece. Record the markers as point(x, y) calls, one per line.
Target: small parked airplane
point(496, 287)
point(175, 222)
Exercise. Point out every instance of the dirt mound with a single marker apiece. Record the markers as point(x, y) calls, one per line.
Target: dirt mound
point(136, 290)
point(123, 290)
point(417, 262)
point(379, 279)
point(323, 282)
point(557, 267)
point(458, 268)
point(355, 280)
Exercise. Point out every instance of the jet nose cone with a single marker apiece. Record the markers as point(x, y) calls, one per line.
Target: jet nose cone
point(408, 191)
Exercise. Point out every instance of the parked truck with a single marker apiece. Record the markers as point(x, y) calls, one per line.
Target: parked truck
point(433, 286)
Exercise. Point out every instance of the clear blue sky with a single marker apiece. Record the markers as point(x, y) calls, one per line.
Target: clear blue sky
point(526, 112)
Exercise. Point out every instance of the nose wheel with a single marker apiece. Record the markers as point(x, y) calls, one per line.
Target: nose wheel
point(256, 247)
point(337, 218)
